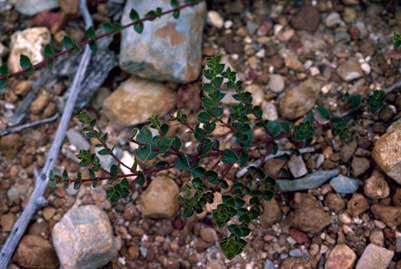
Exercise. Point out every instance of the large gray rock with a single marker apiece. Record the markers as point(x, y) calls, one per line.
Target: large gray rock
point(168, 49)
point(32, 7)
point(84, 238)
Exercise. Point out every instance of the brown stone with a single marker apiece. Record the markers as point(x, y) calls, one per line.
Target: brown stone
point(10, 144)
point(7, 221)
point(359, 166)
point(357, 205)
point(334, 202)
point(309, 215)
point(375, 257)
point(160, 199)
point(36, 253)
point(376, 186)
point(271, 213)
point(341, 257)
point(136, 100)
point(390, 215)
point(40, 103)
point(297, 263)
point(308, 18)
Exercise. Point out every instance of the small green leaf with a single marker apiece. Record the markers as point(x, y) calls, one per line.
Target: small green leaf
point(134, 16)
point(103, 152)
point(232, 246)
point(182, 162)
point(25, 62)
point(90, 33)
point(229, 156)
point(144, 136)
point(141, 179)
point(278, 127)
point(68, 43)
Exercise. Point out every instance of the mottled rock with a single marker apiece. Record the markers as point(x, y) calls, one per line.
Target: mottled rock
point(299, 100)
point(334, 20)
point(29, 42)
point(347, 150)
point(214, 18)
point(208, 234)
point(359, 166)
point(297, 166)
point(350, 70)
point(10, 145)
point(84, 238)
point(341, 257)
point(307, 182)
point(390, 215)
point(291, 61)
point(343, 184)
point(77, 139)
point(7, 221)
point(32, 7)
point(168, 49)
point(271, 213)
point(308, 18)
point(334, 202)
point(375, 257)
point(297, 263)
point(136, 100)
point(309, 215)
point(269, 111)
point(36, 252)
point(357, 205)
point(376, 187)
point(387, 153)
point(160, 199)
point(276, 83)
point(39, 104)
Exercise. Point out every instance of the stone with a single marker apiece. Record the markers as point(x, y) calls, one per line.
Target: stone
point(168, 49)
point(269, 111)
point(19, 190)
point(136, 100)
point(297, 166)
point(7, 221)
point(341, 257)
point(39, 104)
point(32, 7)
point(299, 100)
point(375, 257)
point(311, 181)
point(83, 238)
point(160, 199)
point(36, 252)
point(269, 265)
point(344, 185)
point(77, 139)
point(377, 237)
point(208, 234)
point(291, 61)
point(387, 153)
point(297, 263)
point(309, 215)
point(390, 215)
point(31, 43)
point(48, 213)
point(334, 20)
point(350, 70)
point(357, 205)
point(359, 166)
point(271, 213)
point(10, 145)
point(308, 18)
point(214, 18)
point(276, 83)
point(334, 202)
point(376, 187)
point(348, 150)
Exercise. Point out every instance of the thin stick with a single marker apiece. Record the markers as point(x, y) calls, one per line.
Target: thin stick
point(19, 128)
point(243, 171)
point(37, 200)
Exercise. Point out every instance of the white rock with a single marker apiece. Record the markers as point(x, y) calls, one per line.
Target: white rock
point(29, 42)
point(214, 18)
point(276, 83)
point(375, 257)
point(269, 111)
point(366, 68)
point(297, 166)
point(334, 20)
point(32, 7)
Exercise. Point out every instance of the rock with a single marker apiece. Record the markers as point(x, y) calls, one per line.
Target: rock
point(208, 235)
point(348, 150)
point(77, 139)
point(10, 145)
point(32, 7)
point(309, 215)
point(269, 111)
point(295, 253)
point(350, 70)
point(291, 61)
point(375, 257)
point(36, 252)
point(387, 153)
point(269, 265)
point(48, 213)
point(297, 166)
point(357, 205)
point(341, 257)
point(29, 42)
point(334, 20)
point(214, 18)
point(359, 166)
point(296, 263)
point(344, 185)
point(376, 186)
point(136, 100)
point(390, 215)
point(39, 104)
point(377, 237)
point(334, 202)
point(276, 83)
point(106, 161)
point(310, 181)
point(271, 213)
point(299, 100)
point(19, 190)
point(168, 49)
point(351, 2)
point(7, 221)
point(83, 238)
point(308, 18)
point(160, 199)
